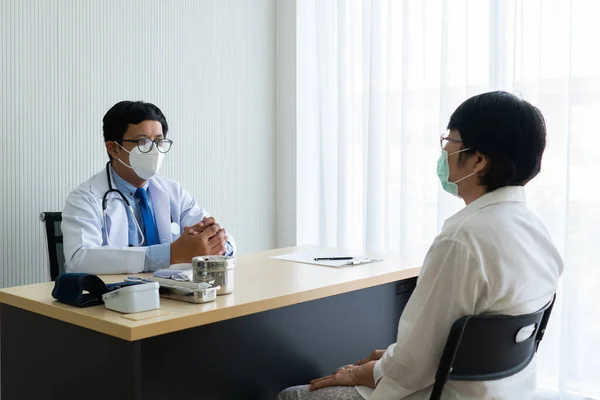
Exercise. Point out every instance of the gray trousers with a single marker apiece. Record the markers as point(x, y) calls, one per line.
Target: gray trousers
point(328, 393)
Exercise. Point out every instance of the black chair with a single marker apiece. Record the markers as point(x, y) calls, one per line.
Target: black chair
point(484, 347)
point(54, 237)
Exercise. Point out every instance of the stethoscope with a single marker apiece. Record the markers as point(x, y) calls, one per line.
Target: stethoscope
point(105, 199)
point(174, 225)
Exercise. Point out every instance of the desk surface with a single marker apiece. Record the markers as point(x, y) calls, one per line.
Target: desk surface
point(261, 283)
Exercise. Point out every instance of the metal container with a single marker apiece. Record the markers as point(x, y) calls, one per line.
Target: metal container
point(189, 295)
point(217, 269)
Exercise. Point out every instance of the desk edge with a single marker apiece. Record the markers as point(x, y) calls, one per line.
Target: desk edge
point(163, 327)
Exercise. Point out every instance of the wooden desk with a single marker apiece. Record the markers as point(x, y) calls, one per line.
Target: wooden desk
point(284, 324)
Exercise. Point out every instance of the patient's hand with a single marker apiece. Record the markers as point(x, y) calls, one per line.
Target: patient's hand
point(350, 375)
point(374, 356)
point(342, 377)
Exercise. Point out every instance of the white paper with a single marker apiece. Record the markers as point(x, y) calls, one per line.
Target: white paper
point(309, 258)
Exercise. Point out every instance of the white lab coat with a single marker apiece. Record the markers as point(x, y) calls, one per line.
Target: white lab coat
point(85, 235)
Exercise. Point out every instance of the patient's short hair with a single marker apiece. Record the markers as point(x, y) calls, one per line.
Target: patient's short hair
point(509, 131)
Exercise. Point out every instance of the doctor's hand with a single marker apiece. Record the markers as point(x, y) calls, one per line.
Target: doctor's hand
point(211, 241)
point(202, 225)
point(217, 242)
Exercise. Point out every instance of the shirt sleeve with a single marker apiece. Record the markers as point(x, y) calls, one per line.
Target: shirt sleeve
point(377, 372)
point(157, 257)
point(451, 284)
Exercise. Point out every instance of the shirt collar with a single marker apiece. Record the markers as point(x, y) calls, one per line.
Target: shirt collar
point(501, 195)
point(125, 187)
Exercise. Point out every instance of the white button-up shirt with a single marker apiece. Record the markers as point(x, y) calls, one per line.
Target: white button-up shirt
point(493, 257)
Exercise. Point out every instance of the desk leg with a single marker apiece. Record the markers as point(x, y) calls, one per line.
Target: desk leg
point(42, 358)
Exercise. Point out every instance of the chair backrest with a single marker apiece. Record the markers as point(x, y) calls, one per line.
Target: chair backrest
point(485, 347)
point(54, 237)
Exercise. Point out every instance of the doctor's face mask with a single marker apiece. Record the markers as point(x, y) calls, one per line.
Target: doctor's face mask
point(144, 164)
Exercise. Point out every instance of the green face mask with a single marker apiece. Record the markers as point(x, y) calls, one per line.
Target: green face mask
point(443, 172)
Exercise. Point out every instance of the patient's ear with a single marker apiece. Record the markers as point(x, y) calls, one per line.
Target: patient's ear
point(481, 162)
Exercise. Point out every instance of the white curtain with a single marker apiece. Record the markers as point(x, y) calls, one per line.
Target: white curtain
point(377, 82)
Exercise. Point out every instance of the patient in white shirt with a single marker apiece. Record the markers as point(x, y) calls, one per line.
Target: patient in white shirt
point(493, 257)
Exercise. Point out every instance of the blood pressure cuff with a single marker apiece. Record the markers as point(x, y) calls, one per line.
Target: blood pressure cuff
point(82, 290)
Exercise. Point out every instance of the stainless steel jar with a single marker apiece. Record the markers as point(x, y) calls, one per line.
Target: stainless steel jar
point(218, 270)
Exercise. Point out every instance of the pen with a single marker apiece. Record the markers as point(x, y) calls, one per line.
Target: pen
point(333, 258)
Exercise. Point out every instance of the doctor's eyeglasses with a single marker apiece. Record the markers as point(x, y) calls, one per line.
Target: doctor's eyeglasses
point(145, 144)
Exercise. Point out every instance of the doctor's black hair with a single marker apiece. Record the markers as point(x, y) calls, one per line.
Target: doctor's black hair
point(509, 131)
point(117, 119)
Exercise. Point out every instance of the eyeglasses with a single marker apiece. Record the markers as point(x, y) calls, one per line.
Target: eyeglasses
point(444, 140)
point(145, 144)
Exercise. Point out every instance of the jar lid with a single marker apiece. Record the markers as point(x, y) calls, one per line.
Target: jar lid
point(212, 262)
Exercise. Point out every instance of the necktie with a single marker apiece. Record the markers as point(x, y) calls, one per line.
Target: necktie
point(150, 231)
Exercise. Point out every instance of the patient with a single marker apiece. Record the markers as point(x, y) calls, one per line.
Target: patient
point(494, 256)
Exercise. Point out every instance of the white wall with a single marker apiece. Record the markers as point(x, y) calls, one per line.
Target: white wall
point(209, 65)
point(287, 135)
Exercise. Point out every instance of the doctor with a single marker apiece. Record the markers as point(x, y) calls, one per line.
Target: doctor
point(125, 219)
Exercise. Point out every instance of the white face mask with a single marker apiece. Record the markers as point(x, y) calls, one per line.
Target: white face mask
point(145, 165)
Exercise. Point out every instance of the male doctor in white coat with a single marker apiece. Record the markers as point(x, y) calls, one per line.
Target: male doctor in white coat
point(125, 219)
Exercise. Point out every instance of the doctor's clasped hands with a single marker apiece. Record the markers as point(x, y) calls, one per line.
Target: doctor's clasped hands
point(205, 238)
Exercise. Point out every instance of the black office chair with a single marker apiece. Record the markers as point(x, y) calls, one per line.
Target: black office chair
point(484, 347)
point(54, 237)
